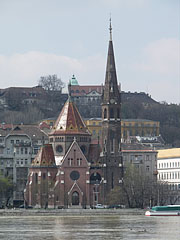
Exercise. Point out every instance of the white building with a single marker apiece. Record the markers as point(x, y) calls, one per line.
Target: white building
point(168, 166)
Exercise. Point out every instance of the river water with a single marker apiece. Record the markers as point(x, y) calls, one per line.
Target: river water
point(91, 227)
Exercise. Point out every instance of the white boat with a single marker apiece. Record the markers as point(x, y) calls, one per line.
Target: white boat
point(170, 210)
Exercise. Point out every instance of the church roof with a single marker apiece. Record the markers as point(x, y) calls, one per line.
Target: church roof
point(45, 157)
point(111, 89)
point(69, 121)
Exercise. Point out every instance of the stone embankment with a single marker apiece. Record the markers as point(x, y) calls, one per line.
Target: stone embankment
point(68, 212)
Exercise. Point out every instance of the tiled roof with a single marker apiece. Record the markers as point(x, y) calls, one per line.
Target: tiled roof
point(33, 131)
point(69, 121)
point(45, 157)
point(84, 90)
point(6, 126)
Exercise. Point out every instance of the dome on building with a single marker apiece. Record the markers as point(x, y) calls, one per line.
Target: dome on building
point(73, 80)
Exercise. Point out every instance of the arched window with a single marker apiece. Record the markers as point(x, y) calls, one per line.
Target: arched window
point(105, 113)
point(36, 178)
point(75, 198)
point(95, 178)
point(111, 113)
point(112, 180)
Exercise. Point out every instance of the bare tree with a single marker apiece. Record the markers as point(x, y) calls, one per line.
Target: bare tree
point(51, 83)
point(139, 190)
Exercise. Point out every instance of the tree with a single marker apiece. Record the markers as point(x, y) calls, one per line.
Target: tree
point(51, 83)
point(6, 191)
point(139, 190)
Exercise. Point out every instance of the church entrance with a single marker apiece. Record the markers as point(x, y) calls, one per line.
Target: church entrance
point(75, 198)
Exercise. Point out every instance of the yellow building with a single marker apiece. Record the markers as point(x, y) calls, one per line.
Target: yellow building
point(129, 127)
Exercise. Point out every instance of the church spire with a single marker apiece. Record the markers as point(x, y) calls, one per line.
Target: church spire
point(111, 90)
point(110, 29)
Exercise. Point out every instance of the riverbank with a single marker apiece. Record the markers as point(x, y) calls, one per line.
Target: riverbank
point(68, 212)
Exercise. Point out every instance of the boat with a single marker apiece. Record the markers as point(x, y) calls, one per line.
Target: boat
point(169, 210)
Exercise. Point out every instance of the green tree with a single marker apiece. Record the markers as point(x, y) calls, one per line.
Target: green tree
point(6, 190)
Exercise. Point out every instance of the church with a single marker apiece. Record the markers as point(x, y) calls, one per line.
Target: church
point(72, 171)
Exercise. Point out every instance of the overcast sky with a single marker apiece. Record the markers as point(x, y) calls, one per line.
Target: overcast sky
point(65, 37)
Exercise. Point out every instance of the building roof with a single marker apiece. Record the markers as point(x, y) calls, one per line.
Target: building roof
point(134, 147)
point(77, 90)
point(168, 153)
point(45, 157)
point(69, 121)
point(33, 131)
point(5, 126)
point(24, 92)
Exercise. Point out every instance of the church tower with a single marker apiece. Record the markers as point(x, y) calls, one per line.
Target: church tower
point(111, 124)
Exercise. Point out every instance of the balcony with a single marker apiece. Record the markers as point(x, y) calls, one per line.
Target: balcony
point(22, 144)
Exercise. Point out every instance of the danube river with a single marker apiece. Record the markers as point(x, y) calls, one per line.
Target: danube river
point(126, 225)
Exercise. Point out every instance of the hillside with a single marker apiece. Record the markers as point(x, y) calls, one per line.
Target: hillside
point(134, 106)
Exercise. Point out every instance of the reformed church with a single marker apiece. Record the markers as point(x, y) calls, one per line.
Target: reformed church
point(71, 171)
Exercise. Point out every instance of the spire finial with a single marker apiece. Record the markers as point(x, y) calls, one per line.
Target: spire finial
point(110, 28)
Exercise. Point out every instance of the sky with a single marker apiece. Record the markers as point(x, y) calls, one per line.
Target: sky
point(45, 37)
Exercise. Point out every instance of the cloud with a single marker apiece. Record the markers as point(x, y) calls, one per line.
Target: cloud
point(26, 69)
point(128, 3)
point(162, 56)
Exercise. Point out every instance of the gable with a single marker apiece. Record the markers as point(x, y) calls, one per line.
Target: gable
point(74, 157)
point(93, 93)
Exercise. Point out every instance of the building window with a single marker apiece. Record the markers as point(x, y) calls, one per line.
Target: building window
point(26, 151)
point(105, 113)
point(118, 113)
point(147, 168)
point(36, 150)
point(111, 113)
point(36, 178)
point(112, 145)
point(59, 149)
point(74, 175)
point(112, 180)
point(8, 150)
point(22, 151)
